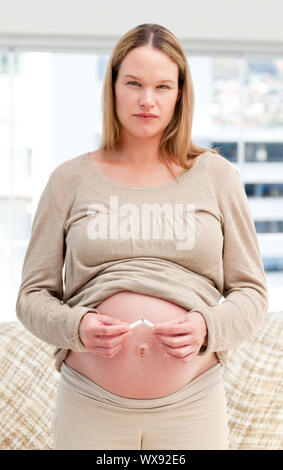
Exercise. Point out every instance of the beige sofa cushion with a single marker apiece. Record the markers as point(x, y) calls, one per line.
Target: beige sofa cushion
point(28, 385)
point(253, 382)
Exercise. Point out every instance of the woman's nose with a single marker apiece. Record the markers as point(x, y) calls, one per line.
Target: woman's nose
point(147, 98)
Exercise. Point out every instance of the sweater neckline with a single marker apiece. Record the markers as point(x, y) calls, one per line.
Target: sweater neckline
point(159, 187)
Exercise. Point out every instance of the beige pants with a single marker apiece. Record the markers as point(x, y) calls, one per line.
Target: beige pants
point(90, 417)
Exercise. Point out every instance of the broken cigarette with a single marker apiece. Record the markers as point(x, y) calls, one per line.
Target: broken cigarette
point(139, 322)
point(135, 324)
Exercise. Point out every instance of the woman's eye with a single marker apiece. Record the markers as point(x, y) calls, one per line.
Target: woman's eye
point(138, 83)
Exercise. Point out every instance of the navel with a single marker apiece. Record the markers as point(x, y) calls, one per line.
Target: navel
point(142, 350)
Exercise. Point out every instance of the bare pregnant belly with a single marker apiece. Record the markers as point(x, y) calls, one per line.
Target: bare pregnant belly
point(140, 369)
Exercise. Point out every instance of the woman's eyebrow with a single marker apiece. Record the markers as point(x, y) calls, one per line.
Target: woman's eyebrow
point(137, 78)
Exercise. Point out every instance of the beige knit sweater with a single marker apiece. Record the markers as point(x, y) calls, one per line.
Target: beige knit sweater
point(189, 241)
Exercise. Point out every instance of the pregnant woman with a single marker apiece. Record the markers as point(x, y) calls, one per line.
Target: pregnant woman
point(148, 227)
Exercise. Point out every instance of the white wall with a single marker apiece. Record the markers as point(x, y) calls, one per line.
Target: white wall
point(243, 21)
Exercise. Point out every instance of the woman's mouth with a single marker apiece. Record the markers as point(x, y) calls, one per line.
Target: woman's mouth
point(145, 118)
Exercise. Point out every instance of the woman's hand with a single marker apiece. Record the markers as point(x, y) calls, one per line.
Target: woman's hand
point(182, 338)
point(102, 335)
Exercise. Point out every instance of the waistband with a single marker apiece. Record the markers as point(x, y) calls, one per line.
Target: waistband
point(198, 388)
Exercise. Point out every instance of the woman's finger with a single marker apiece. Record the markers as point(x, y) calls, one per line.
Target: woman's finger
point(107, 320)
point(165, 324)
point(175, 341)
point(189, 357)
point(179, 352)
point(172, 328)
point(106, 352)
point(111, 330)
point(109, 341)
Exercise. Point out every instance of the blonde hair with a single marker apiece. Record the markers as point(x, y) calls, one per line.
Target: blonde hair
point(176, 143)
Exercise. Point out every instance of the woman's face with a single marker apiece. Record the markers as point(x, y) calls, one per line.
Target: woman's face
point(154, 90)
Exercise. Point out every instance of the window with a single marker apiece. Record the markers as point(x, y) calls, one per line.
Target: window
point(264, 190)
point(239, 110)
point(264, 152)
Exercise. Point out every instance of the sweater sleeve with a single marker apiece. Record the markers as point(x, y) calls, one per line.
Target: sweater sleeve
point(39, 304)
point(241, 314)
